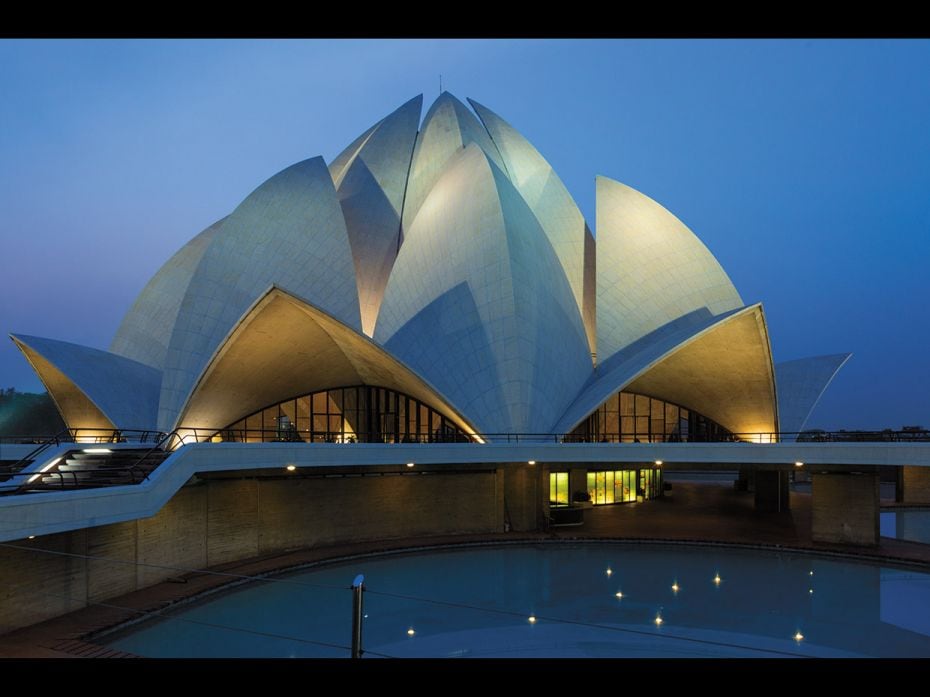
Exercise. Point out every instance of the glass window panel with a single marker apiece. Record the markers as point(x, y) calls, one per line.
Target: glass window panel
point(320, 426)
point(402, 416)
point(350, 399)
point(600, 426)
point(289, 409)
point(319, 403)
point(303, 407)
point(642, 428)
point(270, 423)
point(642, 405)
point(303, 417)
point(334, 401)
point(645, 477)
point(350, 425)
point(558, 488)
point(424, 421)
point(657, 430)
point(387, 428)
point(671, 418)
point(628, 427)
point(592, 486)
point(235, 432)
point(608, 487)
point(626, 404)
point(612, 427)
point(335, 425)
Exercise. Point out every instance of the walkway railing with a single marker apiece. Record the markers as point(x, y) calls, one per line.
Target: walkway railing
point(188, 435)
point(292, 435)
point(86, 435)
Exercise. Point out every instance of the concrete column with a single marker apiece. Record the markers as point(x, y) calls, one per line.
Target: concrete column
point(577, 481)
point(772, 491)
point(747, 479)
point(544, 489)
point(845, 509)
point(914, 484)
point(521, 496)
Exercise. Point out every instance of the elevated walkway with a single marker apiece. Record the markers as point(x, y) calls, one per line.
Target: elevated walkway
point(50, 510)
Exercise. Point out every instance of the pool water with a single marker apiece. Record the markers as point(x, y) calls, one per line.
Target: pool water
point(911, 524)
point(561, 599)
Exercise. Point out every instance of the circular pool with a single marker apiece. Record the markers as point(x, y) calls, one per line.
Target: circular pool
point(594, 599)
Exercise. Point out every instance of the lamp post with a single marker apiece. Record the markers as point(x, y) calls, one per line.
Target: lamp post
point(358, 587)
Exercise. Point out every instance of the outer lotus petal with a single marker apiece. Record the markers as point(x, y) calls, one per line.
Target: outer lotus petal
point(494, 326)
point(146, 329)
point(370, 187)
point(337, 168)
point(589, 306)
point(448, 127)
point(651, 269)
point(801, 383)
point(720, 366)
point(550, 202)
point(93, 388)
point(311, 351)
point(289, 231)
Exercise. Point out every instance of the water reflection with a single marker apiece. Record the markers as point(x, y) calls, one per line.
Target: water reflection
point(765, 605)
point(913, 525)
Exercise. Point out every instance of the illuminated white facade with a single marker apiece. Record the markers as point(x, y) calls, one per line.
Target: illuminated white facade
point(447, 263)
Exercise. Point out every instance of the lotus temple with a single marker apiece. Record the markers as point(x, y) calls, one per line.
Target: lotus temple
point(423, 338)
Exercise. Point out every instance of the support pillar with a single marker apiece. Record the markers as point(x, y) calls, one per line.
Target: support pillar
point(577, 481)
point(845, 508)
point(772, 491)
point(913, 484)
point(747, 479)
point(521, 496)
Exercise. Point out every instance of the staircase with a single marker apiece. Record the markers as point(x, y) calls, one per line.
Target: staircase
point(79, 469)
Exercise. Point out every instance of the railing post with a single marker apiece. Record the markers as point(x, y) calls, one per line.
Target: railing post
point(358, 587)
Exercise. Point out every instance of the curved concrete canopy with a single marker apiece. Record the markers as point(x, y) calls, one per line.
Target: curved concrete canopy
point(93, 388)
point(284, 347)
point(289, 231)
point(448, 127)
point(651, 269)
point(370, 187)
point(553, 206)
point(725, 374)
point(720, 366)
point(800, 385)
point(145, 331)
point(495, 326)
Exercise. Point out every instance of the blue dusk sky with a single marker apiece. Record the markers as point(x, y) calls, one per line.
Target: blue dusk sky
point(803, 165)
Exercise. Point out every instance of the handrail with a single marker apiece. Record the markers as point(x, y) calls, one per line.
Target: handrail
point(186, 435)
point(280, 435)
point(73, 475)
point(158, 446)
point(23, 461)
